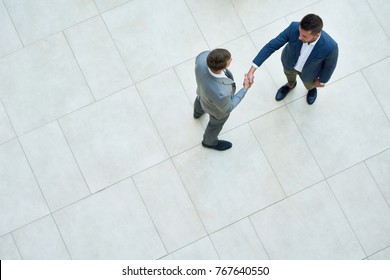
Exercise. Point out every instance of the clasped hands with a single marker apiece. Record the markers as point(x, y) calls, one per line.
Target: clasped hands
point(248, 80)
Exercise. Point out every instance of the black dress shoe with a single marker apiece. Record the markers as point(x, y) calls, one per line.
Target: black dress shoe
point(221, 145)
point(283, 91)
point(311, 96)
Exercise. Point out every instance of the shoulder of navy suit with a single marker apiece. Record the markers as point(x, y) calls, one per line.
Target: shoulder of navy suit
point(327, 41)
point(325, 46)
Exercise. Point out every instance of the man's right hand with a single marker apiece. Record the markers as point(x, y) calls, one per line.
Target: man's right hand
point(247, 84)
point(251, 74)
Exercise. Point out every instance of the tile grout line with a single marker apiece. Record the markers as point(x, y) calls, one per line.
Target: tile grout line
point(379, 251)
point(13, 23)
point(46, 37)
point(375, 96)
point(197, 25)
point(346, 218)
point(377, 19)
point(33, 173)
point(62, 237)
point(258, 236)
point(113, 8)
point(304, 139)
point(78, 65)
point(74, 156)
point(182, 87)
point(153, 122)
point(355, 164)
point(182, 247)
point(48, 207)
point(10, 122)
point(265, 155)
point(16, 244)
point(149, 215)
point(117, 49)
point(189, 196)
point(376, 183)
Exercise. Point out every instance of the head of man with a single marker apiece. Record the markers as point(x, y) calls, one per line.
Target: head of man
point(310, 28)
point(219, 59)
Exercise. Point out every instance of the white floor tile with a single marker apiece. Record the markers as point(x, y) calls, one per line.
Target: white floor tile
point(230, 185)
point(364, 207)
point(374, 75)
point(255, 14)
point(308, 225)
point(98, 57)
point(6, 130)
point(200, 250)
point(169, 205)
point(286, 150)
point(21, 200)
point(9, 40)
point(227, 28)
point(54, 166)
point(171, 111)
point(341, 128)
point(238, 242)
point(105, 5)
point(41, 83)
point(113, 139)
point(35, 20)
point(186, 75)
point(382, 255)
point(164, 37)
point(379, 168)
point(8, 249)
point(381, 9)
point(111, 224)
point(41, 241)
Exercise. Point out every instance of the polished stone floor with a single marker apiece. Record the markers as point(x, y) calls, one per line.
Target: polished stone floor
point(100, 157)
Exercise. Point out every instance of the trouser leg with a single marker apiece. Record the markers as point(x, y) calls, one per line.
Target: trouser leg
point(291, 76)
point(198, 110)
point(213, 128)
point(309, 85)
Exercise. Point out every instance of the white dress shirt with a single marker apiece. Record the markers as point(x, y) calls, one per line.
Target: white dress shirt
point(304, 54)
point(220, 75)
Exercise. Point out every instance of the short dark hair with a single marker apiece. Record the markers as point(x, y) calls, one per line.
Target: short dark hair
point(312, 22)
point(218, 59)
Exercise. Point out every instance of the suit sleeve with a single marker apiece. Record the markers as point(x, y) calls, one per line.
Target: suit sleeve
point(329, 65)
point(272, 46)
point(226, 104)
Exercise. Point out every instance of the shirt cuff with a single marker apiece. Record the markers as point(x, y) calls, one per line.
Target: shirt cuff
point(254, 65)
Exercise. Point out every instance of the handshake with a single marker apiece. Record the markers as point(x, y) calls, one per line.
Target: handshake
point(248, 80)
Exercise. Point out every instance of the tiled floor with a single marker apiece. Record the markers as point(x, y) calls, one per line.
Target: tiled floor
point(100, 157)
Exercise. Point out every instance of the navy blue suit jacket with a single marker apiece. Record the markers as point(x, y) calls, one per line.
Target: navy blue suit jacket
point(319, 65)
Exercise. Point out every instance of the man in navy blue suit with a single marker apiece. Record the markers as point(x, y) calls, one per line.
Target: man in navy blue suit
point(310, 53)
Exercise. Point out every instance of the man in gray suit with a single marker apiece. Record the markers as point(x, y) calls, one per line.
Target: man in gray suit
point(216, 94)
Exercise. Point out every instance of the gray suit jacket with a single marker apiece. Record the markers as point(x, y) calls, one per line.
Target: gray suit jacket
point(216, 94)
